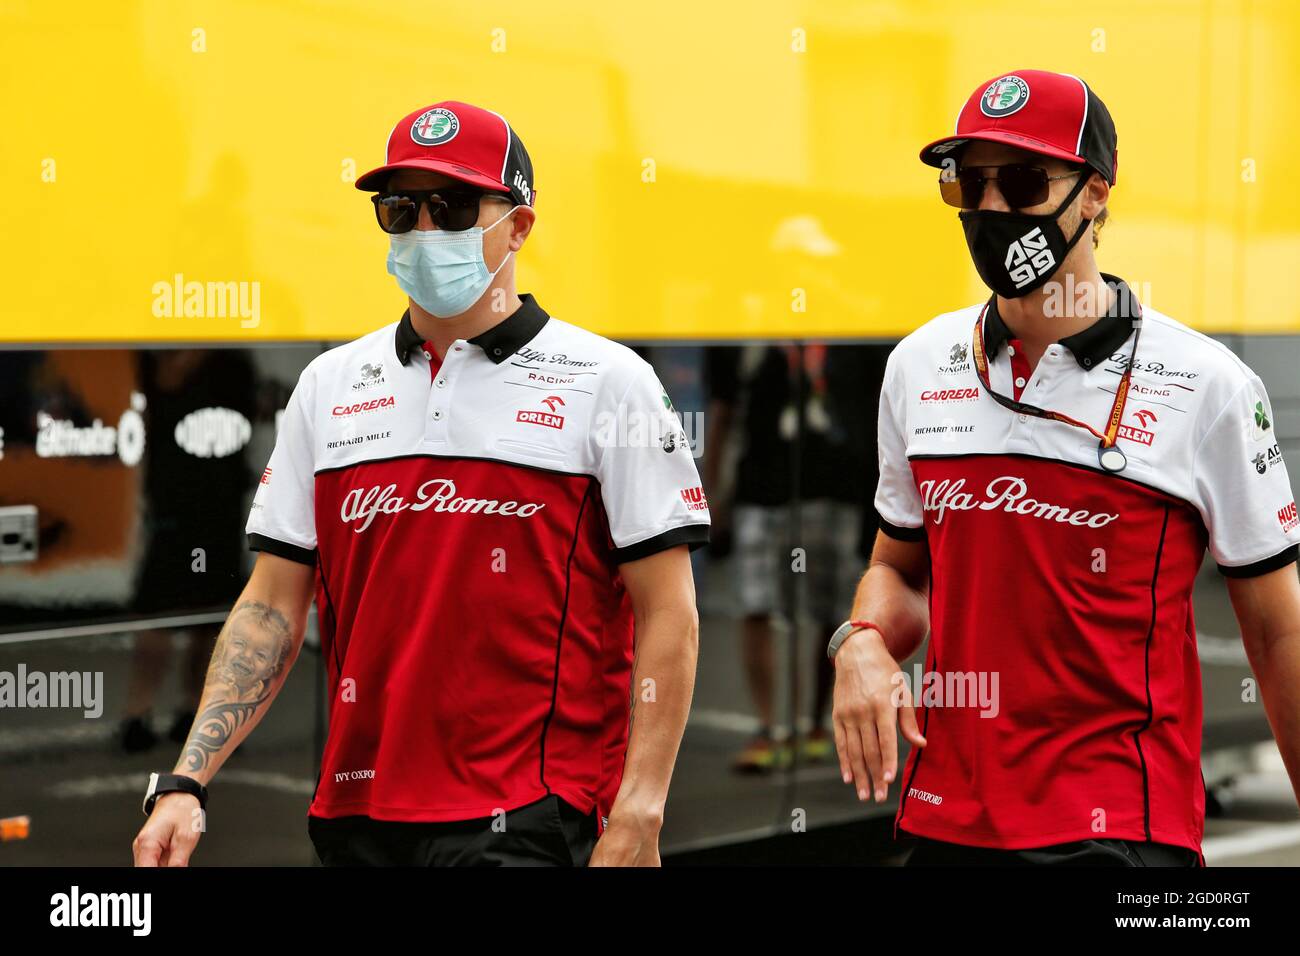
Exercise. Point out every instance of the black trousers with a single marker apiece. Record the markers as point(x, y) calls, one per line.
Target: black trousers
point(547, 833)
point(1101, 852)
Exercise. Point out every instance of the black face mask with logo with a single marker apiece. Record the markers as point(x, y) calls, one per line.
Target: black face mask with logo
point(1016, 253)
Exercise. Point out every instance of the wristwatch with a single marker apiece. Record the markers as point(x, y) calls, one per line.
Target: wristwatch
point(842, 633)
point(160, 783)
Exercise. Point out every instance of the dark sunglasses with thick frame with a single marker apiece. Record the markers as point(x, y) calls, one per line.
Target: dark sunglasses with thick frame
point(453, 209)
point(1021, 185)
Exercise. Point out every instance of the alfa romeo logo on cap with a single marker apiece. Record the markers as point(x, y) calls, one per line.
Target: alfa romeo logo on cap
point(435, 127)
point(1004, 96)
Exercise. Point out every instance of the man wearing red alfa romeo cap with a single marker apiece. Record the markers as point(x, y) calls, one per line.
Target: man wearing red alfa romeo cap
point(1053, 464)
point(494, 507)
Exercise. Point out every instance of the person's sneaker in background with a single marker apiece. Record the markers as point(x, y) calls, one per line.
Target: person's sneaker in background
point(816, 747)
point(762, 755)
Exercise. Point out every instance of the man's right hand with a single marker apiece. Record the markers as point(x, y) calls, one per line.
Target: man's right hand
point(866, 735)
point(171, 833)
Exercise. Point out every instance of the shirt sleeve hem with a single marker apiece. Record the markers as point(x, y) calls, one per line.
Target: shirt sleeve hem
point(901, 533)
point(692, 535)
point(1256, 568)
point(282, 549)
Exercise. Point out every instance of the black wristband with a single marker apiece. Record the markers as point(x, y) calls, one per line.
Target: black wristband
point(161, 783)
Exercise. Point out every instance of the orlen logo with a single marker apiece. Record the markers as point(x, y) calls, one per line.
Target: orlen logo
point(346, 411)
point(694, 499)
point(1287, 517)
point(549, 419)
point(1140, 435)
point(213, 432)
point(942, 395)
point(1009, 494)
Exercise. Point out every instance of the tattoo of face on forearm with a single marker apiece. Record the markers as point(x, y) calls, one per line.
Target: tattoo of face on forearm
point(250, 657)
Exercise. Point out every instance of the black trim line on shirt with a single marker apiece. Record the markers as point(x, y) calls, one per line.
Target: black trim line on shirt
point(1137, 737)
point(1091, 469)
point(426, 454)
point(334, 622)
point(282, 549)
point(900, 533)
point(692, 535)
point(1284, 557)
point(559, 637)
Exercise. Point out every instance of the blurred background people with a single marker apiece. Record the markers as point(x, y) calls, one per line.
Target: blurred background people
point(198, 408)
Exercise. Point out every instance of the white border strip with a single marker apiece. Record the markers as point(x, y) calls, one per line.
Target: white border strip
point(1078, 143)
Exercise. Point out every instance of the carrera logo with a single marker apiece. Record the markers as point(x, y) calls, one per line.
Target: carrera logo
point(266, 475)
point(1010, 494)
point(363, 504)
point(943, 395)
point(1287, 517)
point(1028, 258)
point(345, 411)
point(694, 499)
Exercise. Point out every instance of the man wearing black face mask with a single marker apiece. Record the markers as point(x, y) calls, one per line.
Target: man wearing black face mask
point(1054, 463)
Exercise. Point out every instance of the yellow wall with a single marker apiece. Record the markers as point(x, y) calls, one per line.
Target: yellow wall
point(233, 164)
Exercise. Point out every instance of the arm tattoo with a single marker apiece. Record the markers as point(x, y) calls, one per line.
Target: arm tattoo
point(249, 659)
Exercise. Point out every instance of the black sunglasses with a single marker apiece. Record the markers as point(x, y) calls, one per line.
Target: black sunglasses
point(452, 210)
point(1021, 185)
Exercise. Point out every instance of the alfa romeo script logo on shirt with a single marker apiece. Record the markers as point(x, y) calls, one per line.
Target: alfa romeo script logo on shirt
point(363, 504)
point(1008, 493)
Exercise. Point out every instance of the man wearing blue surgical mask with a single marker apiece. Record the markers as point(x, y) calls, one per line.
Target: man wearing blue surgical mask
point(447, 274)
point(494, 510)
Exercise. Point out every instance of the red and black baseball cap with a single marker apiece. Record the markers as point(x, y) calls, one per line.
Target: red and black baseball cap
point(1055, 114)
point(464, 142)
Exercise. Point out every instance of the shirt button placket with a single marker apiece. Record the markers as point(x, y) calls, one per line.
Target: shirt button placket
point(440, 394)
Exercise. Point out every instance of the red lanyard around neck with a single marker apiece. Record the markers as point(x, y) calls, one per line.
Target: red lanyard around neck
point(1111, 458)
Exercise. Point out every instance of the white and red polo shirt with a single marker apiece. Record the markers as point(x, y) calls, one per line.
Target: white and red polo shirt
point(1065, 589)
point(467, 518)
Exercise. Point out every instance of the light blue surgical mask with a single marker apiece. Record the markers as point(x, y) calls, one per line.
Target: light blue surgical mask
point(443, 272)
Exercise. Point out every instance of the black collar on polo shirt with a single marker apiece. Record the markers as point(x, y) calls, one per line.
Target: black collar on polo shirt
point(498, 343)
point(1094, 344)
